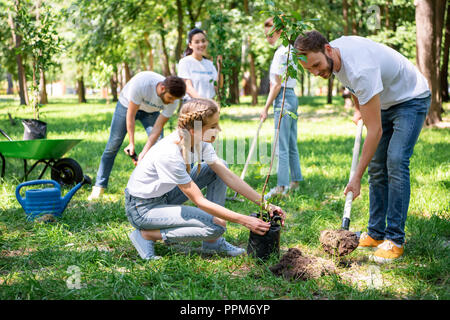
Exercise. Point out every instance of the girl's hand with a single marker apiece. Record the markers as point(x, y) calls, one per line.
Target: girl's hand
point(275, 210)
point(256, 225)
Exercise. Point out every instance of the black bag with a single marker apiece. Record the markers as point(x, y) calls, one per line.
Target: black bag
point(34, 129)
point(263, 247)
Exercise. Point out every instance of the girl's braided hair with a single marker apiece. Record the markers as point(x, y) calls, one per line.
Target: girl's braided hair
point(192, 111)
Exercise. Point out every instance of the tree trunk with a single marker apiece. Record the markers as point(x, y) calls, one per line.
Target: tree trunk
point(429, 22)
point(43, 98)
point(10, 89)
point(113, 83)
point(444, 67)
point(150, 52)
point(180, 29)
point(17, 39)
point(345, 16)
point(234, 83)
point(127, 72)
point(354, 22)
point(330, 90)
point(251, 59)
point(165, 56)
point(264, 83)
point(142, 57)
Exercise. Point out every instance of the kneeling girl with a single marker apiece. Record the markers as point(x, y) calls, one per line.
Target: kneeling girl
point(163, 181)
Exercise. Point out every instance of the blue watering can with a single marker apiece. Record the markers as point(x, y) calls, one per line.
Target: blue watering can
point(46, 201)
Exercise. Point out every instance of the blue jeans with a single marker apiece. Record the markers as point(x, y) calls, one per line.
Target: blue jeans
point(117, 134)
point(286, 149)
point(389, 180)
point(176, 222)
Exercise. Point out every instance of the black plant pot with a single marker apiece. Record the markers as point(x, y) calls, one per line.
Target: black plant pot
point(34, 129)
point(262, 247)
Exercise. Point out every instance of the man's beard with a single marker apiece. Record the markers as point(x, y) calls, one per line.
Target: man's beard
point(330, 66)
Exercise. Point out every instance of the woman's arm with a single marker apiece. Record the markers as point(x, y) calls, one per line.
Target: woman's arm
point(241, 187)
point(273, 93)
point(190, 90)
point(192, 191)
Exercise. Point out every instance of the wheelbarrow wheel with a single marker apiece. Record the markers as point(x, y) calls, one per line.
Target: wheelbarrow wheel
point(67, 171)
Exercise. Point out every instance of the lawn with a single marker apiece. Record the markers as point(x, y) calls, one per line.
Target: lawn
point(86, 254)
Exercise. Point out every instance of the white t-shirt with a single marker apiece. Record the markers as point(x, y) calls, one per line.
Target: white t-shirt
point(201, 73)
point(141, 90)
point(163, 168)
point(369, 68)
point(278, 66)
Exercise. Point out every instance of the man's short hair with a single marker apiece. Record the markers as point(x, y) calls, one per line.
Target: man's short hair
point(311, 41)
point(175, 86)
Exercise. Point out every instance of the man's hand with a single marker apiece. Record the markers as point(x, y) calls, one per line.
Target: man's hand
point(354, 186)
point(356, 116)
point(129, 150)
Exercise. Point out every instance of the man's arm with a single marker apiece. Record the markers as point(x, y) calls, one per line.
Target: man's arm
point(131, 121)
point(154, 135)
point(274, 90)
point(371, 116)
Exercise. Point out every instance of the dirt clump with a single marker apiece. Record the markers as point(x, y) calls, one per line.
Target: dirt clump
point(295, 266)
point(338, 242)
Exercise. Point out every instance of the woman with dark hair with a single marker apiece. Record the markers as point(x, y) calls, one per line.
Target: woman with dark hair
point(197, 71)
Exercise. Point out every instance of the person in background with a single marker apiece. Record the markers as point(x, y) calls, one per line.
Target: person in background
point(288, 157)
point(197, 71)
point(148, 97)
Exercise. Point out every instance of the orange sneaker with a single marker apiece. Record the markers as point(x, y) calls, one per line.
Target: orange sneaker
point(366, 241)
point(388, 251)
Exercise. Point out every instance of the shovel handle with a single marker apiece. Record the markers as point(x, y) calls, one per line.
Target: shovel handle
point(355, 158)
point(250, 153)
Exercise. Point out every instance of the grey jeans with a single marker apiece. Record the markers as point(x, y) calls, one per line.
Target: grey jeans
point(175, 221)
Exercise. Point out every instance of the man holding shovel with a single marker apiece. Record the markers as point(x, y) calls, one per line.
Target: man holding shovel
point(149, 98)
point(392, 98)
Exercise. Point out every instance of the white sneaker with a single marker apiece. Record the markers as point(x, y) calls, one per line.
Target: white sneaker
point(222, 246)
point(97, 193)
point(278, 190)
point(145, 248)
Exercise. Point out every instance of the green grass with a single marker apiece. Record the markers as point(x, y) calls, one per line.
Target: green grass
point(35, 257)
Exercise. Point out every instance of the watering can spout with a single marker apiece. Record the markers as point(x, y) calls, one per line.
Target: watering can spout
point(70, 194)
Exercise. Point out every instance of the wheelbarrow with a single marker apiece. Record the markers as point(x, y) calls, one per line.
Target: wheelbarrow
point(65, 171)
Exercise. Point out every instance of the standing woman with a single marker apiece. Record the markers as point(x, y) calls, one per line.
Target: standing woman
point(197, 71)
point(289, 171)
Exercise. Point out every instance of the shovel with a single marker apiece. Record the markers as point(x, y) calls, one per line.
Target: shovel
point(250, 153)
point(342, 242)
point(349, 198)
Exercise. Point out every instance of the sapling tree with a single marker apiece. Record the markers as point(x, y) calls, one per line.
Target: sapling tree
point(41, 42)
point(292, 26)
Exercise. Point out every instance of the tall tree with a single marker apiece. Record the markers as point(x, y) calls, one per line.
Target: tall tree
point(17, 40)
point(429, 23)
point(445, 52)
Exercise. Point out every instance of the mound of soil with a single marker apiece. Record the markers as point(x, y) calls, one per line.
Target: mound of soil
point(338, 242)
point(294, 266)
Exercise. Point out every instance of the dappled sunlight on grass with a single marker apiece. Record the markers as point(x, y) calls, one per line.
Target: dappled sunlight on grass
point(35, 257)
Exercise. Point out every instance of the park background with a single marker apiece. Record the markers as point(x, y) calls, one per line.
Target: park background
point(66, 62)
